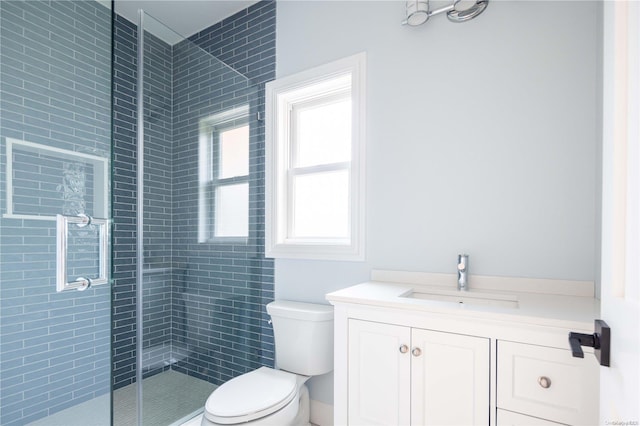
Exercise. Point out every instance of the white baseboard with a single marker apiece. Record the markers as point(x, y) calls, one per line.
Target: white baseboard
point(321, 413)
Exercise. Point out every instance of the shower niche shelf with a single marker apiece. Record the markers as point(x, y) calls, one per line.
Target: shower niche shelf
point(44, 180)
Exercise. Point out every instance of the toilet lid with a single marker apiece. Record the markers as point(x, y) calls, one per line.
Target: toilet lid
point(251, 396)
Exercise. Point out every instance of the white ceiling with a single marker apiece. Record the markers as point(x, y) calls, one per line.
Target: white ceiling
point(184, 17)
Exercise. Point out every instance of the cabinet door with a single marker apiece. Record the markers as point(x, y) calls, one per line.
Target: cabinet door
point(379, 371)
point(450, 375)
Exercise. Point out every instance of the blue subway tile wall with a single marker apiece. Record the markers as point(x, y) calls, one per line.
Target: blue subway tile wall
point(245, 41)
point(216, 326)
point(124, 203)
point(55, 94)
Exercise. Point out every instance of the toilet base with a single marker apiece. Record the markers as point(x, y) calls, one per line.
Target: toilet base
point(304, 412)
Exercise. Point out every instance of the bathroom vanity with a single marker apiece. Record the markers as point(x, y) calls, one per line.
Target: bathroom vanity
point(412, 350)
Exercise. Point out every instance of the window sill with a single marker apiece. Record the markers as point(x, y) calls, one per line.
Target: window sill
point(315, 252)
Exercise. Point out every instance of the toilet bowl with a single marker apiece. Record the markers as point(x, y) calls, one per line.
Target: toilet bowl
point(303, 335)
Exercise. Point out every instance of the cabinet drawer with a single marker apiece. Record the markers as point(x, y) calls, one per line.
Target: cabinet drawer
point(547, 383)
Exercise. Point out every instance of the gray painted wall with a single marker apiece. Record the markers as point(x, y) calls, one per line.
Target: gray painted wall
point(481, 138)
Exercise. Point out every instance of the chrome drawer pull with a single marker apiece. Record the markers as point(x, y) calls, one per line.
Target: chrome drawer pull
point(545, 382)
point(416, 351)
point(404, 349)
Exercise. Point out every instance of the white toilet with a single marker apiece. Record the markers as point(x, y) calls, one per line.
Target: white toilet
point(303, 334)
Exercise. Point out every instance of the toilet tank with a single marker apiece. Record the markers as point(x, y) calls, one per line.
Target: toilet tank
point(303, 334)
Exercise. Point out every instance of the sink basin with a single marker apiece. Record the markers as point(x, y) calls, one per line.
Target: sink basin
point(467, 297)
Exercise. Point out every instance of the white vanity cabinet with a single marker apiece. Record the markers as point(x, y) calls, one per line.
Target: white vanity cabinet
point(400, 375)
point(404, 360)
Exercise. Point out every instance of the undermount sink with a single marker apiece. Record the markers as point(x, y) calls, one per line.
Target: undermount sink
point(466, 297)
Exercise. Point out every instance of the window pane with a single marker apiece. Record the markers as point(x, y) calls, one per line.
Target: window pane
point(321, 205)
point(323, 133)
point(234, 152)
point(232, 210)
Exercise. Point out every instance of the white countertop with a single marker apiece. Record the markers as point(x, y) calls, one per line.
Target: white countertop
point(534, 307)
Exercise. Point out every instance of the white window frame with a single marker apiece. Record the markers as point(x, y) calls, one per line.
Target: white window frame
point(282, 95)
point(209, 165)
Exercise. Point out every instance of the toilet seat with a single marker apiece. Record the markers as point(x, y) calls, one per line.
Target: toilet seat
point(251, 396)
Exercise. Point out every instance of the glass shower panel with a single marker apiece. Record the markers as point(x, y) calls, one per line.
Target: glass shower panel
point(201, 296)
point(217, 287)
point(55, 151)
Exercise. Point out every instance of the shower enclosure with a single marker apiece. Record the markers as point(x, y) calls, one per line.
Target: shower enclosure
point(200, 318)
point(132, 123)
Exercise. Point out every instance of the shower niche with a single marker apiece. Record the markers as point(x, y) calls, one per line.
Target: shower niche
point(42, 179)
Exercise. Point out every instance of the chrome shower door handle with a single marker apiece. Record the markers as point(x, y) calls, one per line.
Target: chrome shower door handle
point(97, 229)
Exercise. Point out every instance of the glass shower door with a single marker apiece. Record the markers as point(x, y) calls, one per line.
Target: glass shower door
point(55, 153)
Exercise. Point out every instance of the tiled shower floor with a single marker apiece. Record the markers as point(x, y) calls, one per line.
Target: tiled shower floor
point(169, 398)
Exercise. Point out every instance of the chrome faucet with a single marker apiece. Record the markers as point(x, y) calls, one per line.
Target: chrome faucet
point(463, 267)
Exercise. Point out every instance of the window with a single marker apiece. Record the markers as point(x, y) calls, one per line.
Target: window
point(224, 176)
point(315, 163)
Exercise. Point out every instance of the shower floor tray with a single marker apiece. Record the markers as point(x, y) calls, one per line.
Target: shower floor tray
point(169, 399)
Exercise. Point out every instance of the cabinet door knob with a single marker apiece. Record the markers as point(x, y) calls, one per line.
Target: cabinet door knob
point(416, 351)
point(545, 382)
point(404, 349)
